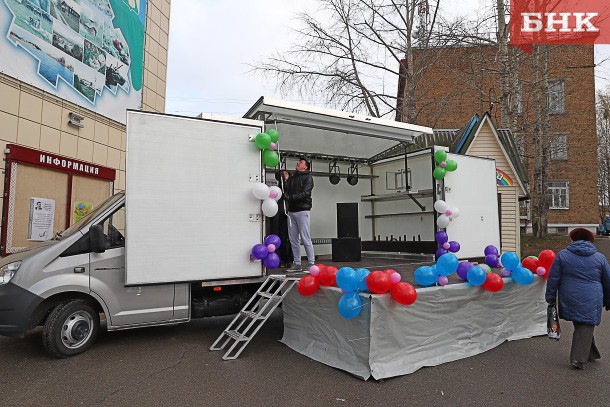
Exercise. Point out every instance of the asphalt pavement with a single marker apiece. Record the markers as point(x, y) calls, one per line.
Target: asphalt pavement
point(172, 366)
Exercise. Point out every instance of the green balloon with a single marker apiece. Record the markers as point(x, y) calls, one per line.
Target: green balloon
point(451, 165)
point(440, 156)
point(273, 133)
point(439, 173)
point(262, 141)
point(270, 158)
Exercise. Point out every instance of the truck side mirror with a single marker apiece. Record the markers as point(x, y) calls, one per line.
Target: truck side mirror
point(97, 239)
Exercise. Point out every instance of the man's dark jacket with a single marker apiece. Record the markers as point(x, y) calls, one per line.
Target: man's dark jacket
point(297, 191)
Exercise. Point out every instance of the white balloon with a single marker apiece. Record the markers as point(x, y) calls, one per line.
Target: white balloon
point(278, 190)
point(443, 221)
point(440, 206)
point(455, 213)
point(260, 191)
point(270, 207)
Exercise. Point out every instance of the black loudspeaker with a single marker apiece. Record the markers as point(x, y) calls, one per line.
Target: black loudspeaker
point(347, 220)
point(347, 249)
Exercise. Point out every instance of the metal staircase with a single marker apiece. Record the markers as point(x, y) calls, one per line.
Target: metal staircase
point(253, 315)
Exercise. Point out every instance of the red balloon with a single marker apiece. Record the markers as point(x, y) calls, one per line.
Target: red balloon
point(328, 275)
point(493, 283)
point(531, 264)
point(378, 282)
point(389, 272)
point(308, 285)
point(546, 259)
point(404, 293)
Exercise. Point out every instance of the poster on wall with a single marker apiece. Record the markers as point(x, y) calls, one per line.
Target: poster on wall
point(89, 52)
point(81, 209)
point(42, 214)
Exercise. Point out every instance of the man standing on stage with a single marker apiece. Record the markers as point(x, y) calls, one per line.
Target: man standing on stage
point(297, 191)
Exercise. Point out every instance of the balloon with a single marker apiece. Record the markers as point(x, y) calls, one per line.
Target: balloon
point(491, 249)
point(510, 260)
point(441, 237)
point(440, 251)
point(274, 135)
point(447, 264)
point(451, 165)
point(347, 279)
point(389, 272)
point(476, 276)
point(404, 293)
point(522, 276)
point(462, 270)
point(327, 276)
point(443, 221)
point(531, 263)
point(440, 206)
point(274, 240)
point(425, 275)
point(259, 251)
point(278, 192)
point(455, 213)
point(454, 246)
point(485, 267)
point(271, 158)
point(443, 280)
point(262, 141)
point(546, 258)
point(362, 274)
point(446, 246)
point(504, 272)
point(260, 191)
point(314, 270)
point(541, 271)
point(270, 207)
point(272, 146)
point(308, 285)
point(272, 261)
point(350, 305)
point(493, 283)
point(378, 282)
point(395, 277)
point(271, 248)
point(439, 173)
point(440, 156)
point(491, 260)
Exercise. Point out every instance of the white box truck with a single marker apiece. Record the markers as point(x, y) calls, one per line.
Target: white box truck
point(176, 245)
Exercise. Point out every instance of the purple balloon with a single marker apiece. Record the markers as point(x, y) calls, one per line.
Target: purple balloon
point(260, 251)
point(491, 260)
point(504, 272)
point(440, 251)
point(441, 237)
point(274, 240)
point(462, 270)
point(491, 249)
point(272, 261)
point(454, 246)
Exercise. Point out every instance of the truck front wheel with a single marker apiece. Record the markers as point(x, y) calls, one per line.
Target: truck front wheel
point(71, 328)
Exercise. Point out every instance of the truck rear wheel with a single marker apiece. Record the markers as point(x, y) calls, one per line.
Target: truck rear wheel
point(71, 328)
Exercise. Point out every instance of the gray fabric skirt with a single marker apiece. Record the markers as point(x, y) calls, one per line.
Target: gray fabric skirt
point(583, 344)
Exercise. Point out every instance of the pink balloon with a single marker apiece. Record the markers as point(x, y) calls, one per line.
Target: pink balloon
point(443, 280)
point(273, 194)
point(504, 272)
point(446, 245)
point(314, 270)
point(443, 164)
point(271, 248)
point(395, 277)
point(541, 271)
point(448, 212)
point(272, 146)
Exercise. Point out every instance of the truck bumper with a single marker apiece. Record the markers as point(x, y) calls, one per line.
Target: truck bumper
point(16, 305)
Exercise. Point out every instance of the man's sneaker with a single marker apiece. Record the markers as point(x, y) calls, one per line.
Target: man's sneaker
point(295, 268)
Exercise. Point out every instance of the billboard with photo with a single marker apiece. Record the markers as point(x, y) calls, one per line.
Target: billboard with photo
point(89, 52)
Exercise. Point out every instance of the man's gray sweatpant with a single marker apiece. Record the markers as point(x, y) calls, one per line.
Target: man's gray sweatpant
point(299, 225)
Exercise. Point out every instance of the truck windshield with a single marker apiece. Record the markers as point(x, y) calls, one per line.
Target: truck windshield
point(102, 207)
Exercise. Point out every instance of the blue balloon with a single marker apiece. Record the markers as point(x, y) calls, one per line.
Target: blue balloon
point(362, 274)
point(476, 276)
point(510, 261)
point(522, 276)
point(347, 279)
point(447, 264)
point(350, 305)
point(425, 275)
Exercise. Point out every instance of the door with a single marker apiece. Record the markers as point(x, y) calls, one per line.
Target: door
point(127, 305)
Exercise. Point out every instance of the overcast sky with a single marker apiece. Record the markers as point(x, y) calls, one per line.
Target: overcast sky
point(212, 41)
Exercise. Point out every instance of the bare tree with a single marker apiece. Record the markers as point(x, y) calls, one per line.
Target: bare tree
point(603, 151)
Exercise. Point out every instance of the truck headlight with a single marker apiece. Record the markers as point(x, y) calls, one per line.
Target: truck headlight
point(8, 271)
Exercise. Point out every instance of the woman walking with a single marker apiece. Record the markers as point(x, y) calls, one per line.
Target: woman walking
point(581, 275)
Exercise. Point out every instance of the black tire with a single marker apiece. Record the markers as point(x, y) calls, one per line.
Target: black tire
point(71, 328)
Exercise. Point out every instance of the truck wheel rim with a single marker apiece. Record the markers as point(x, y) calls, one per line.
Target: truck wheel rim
point(77, 329)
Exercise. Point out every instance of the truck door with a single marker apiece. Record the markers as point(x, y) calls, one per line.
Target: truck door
point(134, 305)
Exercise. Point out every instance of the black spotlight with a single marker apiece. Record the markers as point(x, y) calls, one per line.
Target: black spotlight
point(334, 174)
point(352, 174)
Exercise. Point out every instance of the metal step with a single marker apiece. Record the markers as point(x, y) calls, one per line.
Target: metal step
point(237, 336)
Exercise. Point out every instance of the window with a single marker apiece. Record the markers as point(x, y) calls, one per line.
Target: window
point(556, 97)
point(114, 229)
point(395, 180)
point(559, 195)
point(559, 147)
